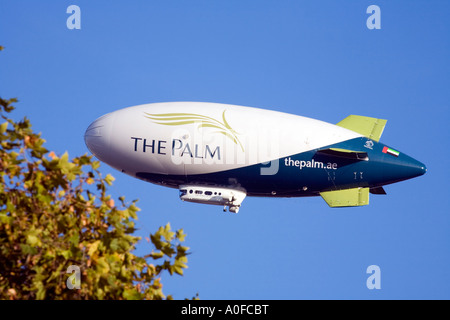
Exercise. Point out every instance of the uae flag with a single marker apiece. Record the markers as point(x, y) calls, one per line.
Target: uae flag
point(391, 151)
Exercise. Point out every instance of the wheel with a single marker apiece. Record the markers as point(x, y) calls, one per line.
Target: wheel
point(234, 209)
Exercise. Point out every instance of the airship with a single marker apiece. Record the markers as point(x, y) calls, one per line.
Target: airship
point(220, 154)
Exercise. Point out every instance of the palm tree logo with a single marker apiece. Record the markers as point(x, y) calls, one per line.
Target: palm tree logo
point(178, 119)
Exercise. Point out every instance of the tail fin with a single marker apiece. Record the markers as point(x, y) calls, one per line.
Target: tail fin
point(371, 128)
point(347, 198)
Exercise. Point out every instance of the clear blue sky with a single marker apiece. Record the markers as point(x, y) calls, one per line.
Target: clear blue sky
point(312, 58)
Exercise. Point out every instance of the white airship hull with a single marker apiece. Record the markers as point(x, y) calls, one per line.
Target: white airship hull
point(198, 141)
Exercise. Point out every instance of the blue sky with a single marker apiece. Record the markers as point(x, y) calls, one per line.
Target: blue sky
point(311, 58)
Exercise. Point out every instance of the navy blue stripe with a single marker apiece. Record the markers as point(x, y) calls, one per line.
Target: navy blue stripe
point(291, 181)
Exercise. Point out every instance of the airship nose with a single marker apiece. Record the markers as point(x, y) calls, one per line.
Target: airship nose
point(409, 167)
point(398, 166)
point(97, 136)
point(420, 168)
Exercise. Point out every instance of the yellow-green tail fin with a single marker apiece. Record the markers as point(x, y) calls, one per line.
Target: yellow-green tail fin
point(347, 198)
point(371, 128)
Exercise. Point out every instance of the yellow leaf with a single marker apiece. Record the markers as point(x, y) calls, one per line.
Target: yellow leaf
point(102, 265)
point(3, 127)
point(109, 179)
point(93, 247)
point(32, 240)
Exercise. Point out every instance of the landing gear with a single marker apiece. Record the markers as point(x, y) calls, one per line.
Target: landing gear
point(234, 209)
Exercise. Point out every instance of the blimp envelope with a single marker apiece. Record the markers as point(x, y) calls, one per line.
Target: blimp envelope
point(244, 151)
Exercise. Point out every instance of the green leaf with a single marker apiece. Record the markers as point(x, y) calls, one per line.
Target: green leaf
point(27, 249)
point(93, 247)
point(109, 179)
point(132, 294)
point(157, 255)
point(95, 165)
point(66, 254)
point(32, 240)
point(102, 266)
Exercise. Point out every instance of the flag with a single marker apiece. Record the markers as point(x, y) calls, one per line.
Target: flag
point(391, 151)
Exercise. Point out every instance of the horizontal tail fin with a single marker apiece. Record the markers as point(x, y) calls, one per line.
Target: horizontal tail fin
point(347, 198)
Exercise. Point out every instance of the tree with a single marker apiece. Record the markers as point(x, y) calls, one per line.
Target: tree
point(56, 219)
